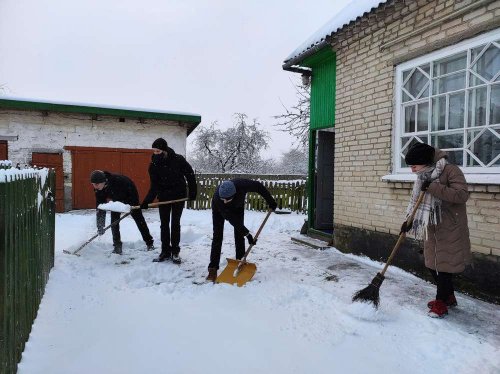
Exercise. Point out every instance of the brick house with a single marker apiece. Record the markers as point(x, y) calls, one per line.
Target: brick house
point(77, 138)
point(394, 73)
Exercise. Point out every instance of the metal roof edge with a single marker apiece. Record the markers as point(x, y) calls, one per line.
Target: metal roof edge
point(10, 103)
point(315, 46)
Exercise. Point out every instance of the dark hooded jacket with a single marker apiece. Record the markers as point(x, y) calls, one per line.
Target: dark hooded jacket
point(118, 188)
point(232, 209)
point(171, 178)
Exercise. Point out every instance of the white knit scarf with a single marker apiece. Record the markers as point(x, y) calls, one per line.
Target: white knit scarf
point(429, 211)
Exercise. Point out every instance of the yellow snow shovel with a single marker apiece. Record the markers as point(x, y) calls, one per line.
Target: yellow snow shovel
point(241, 271)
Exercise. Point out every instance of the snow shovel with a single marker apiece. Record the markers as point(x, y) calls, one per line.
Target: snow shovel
point(152, 205)
point(241, 271)
point(371, 292)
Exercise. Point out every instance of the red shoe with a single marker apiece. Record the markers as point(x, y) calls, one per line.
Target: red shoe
point(451, 302)
point(438, 310)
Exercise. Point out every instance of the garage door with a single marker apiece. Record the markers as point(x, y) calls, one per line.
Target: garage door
point(133, 163)
point(54, 161)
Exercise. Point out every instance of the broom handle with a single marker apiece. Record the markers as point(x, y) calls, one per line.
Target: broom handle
point(402, 236)
point(244, 259)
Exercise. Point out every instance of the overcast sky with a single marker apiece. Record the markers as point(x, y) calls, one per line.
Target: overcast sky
point(211, 57)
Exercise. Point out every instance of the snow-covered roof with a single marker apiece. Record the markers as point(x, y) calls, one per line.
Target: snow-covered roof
point(354, 10)
point(113, 110)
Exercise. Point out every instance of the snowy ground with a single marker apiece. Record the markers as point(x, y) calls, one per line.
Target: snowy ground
point(105, 313)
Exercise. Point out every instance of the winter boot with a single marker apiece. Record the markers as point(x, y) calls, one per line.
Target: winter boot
point(150, 246)
point(438, 310)
point(176, 259)
point(212, 275)
point(117, 249)
point(451, 302)
point(164, 256)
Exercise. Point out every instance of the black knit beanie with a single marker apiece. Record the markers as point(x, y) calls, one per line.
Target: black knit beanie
point(97, 176)
point(160, 144)
point(420, 154)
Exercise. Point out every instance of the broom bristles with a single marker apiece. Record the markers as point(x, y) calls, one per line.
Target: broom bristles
point(370, 294)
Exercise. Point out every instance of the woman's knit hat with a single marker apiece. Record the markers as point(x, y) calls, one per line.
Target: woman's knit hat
point(420, 154)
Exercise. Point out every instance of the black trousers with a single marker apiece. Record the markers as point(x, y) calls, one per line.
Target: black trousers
point(444, 283)
point(136, 214)
point(170, 214)
point(218, 235)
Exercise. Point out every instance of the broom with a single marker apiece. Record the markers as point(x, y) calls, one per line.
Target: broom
point(371, 293)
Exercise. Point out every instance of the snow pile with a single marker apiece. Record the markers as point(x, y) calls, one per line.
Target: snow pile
point(115, 206)
point(11, 174)
point(105, 313)
point(5, 164)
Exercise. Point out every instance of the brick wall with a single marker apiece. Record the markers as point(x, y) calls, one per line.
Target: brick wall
point(366, 60)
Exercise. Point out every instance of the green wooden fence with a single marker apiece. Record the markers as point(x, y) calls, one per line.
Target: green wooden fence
point(27, 226)
point(288, 190)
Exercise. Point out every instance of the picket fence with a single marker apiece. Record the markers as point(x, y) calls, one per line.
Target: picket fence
point(289, 191)
point(27, 227)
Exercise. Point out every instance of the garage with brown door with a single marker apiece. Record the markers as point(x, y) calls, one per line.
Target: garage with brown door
point(54, 161)
point(133, 163)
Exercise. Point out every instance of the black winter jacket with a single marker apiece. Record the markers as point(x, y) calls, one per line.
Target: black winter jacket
point(230, 210)
point(118, 188)
point(168, 178)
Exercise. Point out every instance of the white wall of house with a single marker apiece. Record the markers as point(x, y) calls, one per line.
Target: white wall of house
point(57, 130)
point(39, 132)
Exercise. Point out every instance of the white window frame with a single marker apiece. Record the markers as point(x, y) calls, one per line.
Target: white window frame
point(472, 173)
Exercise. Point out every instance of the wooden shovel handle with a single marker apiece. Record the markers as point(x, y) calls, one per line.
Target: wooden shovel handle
point(154, 205)
point(244, 259)
point(402, 235)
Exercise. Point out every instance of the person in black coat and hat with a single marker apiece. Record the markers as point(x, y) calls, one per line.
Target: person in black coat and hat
point(228, 203)
point(172, 178)
point(115, 187)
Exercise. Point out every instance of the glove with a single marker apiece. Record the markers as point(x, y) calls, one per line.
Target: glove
point(405, 227)
point(100, 231)
point(144, 205)
point(425, 185)
point(250, 239)
point(273, 205)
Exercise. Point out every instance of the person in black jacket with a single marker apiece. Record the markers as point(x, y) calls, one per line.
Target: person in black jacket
point(169, 173)
point(115, 187)
point(228, 203)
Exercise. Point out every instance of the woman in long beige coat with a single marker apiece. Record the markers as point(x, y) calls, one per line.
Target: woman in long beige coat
point(441, 220)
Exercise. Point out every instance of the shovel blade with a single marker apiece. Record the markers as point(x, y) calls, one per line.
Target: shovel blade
point(247, 271)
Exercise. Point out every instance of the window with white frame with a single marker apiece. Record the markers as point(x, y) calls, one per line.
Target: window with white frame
point(451, 100)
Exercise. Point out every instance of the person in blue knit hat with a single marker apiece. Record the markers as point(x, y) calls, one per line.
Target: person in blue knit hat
point(228, 204)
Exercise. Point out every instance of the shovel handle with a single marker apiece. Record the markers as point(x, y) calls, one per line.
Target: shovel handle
point(96, 235)
point(244, 259)
point(403, 234)
point(154, 205)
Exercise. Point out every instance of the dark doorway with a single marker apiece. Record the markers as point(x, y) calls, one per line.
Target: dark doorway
point(324, 181)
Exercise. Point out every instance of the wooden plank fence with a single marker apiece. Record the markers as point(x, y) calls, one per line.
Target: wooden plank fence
point(27, 227)
point(288, 190)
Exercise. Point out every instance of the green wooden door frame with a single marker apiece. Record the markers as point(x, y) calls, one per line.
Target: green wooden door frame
point(323, 88)
point(311, 183)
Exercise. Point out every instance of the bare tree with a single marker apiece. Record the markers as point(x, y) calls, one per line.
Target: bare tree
point(295, 120)
point(236, 149)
